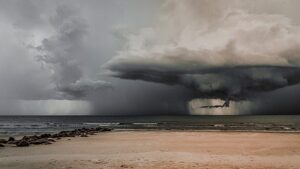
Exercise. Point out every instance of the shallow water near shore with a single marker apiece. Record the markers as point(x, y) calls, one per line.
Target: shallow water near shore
point(26, 125)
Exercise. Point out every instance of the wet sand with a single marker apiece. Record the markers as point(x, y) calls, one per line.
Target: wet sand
point(161, 150)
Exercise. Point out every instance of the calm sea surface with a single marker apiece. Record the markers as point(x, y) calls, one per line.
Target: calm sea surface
point(23, 125)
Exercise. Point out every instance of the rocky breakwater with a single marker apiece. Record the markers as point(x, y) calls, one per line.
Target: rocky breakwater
point(46, 138)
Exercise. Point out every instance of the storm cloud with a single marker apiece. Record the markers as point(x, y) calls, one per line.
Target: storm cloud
point(217, 50)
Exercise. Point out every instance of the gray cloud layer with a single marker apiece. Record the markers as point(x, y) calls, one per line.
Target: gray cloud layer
point(63, 54)
point(51, 53)
point(54, 50)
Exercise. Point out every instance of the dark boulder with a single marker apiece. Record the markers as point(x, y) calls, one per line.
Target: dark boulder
point(106, 129)
point(1, 145)
point(99, 129)
point(3, 141)
point(35, 137)
point(49, 139)
point(13, 142)
point(30, 138)
point(55, 136)
point(11, 139)
point(39, 141)
point(45, 135)
point(66, 134)
point(42, 141)
point(22, 143)
point(25, 138)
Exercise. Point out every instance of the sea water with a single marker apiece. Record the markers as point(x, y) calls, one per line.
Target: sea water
point(29, 125)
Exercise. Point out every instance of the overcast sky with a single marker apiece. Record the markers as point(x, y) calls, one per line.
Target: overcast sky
point(149, 56)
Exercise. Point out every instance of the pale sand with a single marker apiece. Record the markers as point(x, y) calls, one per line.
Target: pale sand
point(161, 149)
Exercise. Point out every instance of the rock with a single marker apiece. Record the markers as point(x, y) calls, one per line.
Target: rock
point(39, 141)
point(45, 135)
point(22, 143)
point(91, 133)
point(66, 134)
point(13, 142)
point(30, 139)
point(124, 166)
point(55, 136)
point(46, 138)
point(72, 135)
point(11, 139)
point(25, 138)
point(42, 141)
point(99, 129)
point(34, 137)
point(1, 145)
point(107, 129)
point(3, 141)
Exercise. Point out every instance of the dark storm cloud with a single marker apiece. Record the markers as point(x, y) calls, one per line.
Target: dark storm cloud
point(225, 53)
point(241, 83)
point(282, 101)
point(236, 83)
point(141, 98)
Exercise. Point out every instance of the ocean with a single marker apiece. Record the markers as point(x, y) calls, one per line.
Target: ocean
point(30, 125)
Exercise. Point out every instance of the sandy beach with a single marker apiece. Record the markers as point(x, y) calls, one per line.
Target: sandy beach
point(162, 150)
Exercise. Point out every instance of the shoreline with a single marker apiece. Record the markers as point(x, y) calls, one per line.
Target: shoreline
point(205, 130)
point(36, 125)
point(85, 132)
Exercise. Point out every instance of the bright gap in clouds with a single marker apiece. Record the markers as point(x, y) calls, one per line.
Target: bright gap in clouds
point(235, 108)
